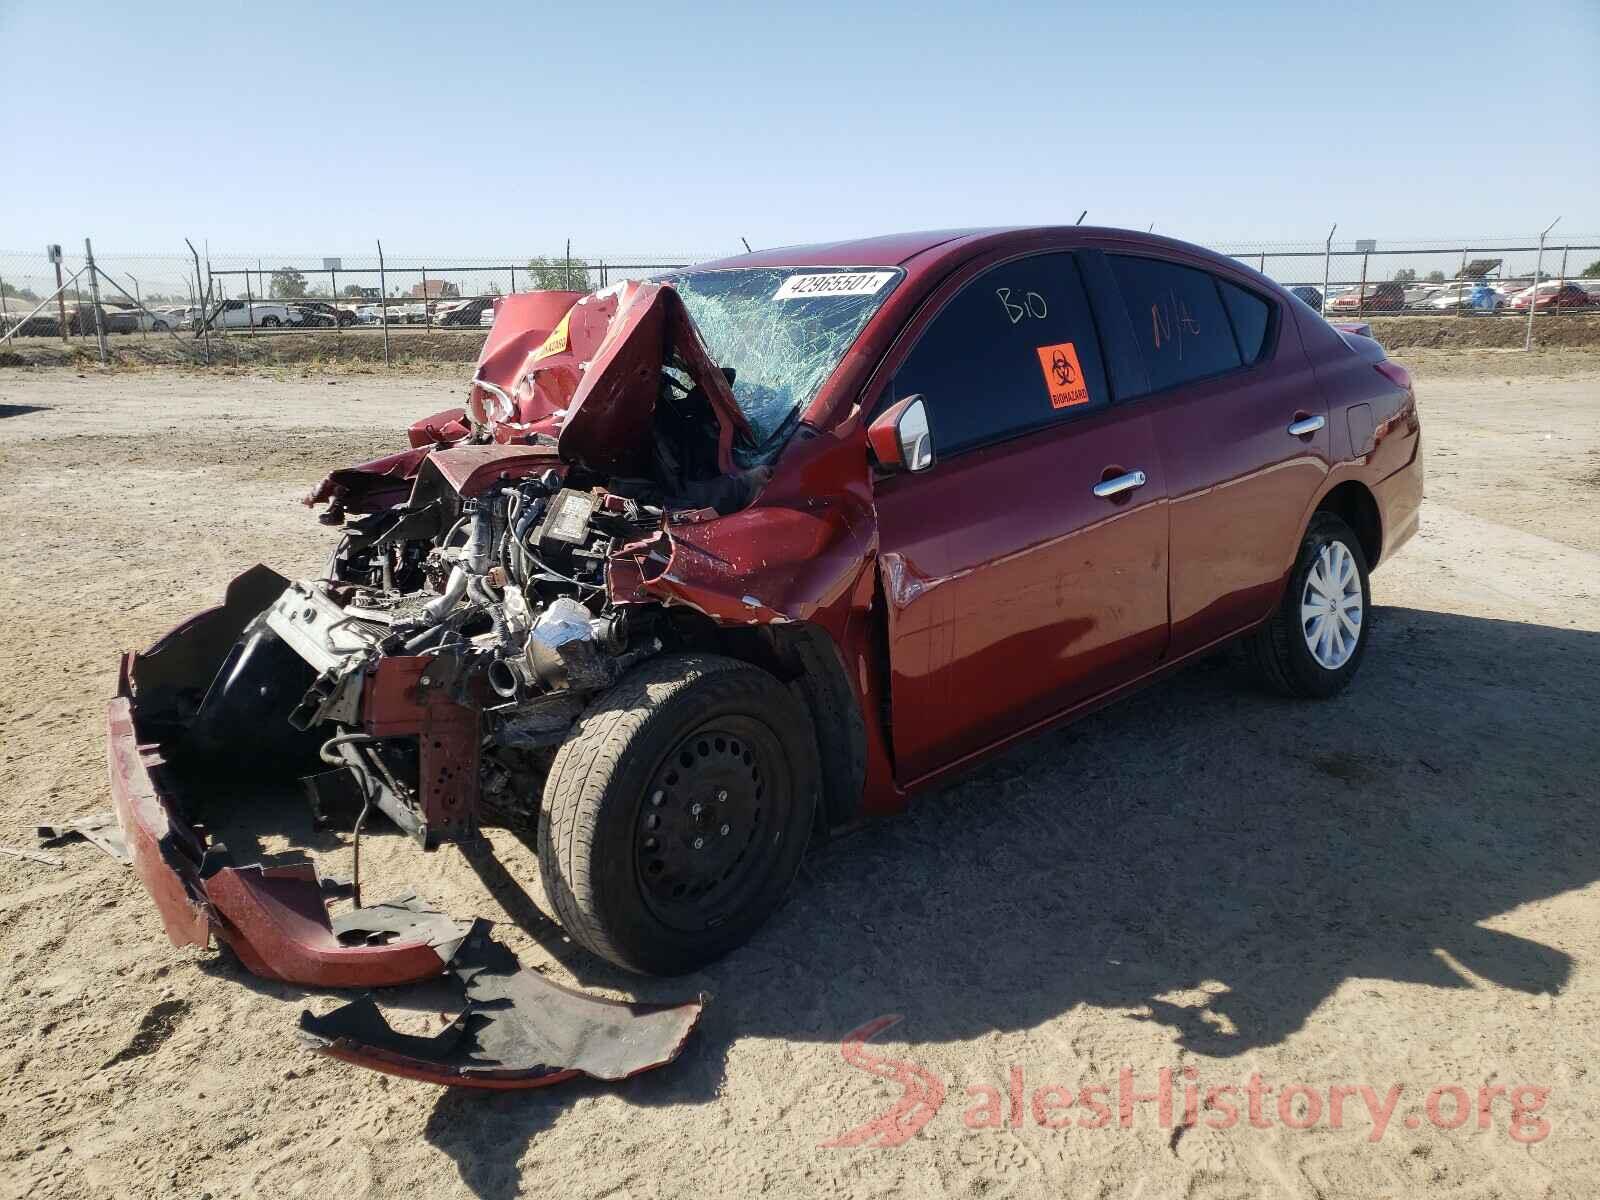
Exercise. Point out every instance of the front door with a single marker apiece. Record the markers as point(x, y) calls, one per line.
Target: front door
point(1019, 581)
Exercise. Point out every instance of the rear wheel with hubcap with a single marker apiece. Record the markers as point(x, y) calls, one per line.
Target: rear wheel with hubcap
point(676, 813)
point(1314, 642)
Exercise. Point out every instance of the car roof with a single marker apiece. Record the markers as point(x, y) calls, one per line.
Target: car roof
point(930, 252)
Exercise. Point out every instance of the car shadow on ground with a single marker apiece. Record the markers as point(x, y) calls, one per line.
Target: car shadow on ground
point(20, 410)
point(1201, 838)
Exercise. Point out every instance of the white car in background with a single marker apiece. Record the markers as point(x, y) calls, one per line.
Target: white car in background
point(1454, 296)
point(239, 314)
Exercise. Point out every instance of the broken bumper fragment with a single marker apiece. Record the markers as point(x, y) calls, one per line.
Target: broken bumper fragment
point(273, 918)
point(517, 1030)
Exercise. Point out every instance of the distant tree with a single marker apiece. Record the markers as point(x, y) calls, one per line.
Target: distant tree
point(288, 284)
point(1405, 275)
point(27, 294)
point(1435, 276)
point(1592, 271)
point(558, 275)
point(352, 291)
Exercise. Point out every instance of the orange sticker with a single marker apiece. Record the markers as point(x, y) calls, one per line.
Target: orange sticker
point(1063, 378)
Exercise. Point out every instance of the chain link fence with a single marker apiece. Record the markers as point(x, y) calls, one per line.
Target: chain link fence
point(195, 296)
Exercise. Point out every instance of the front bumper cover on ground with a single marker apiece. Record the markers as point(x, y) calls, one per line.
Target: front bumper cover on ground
point(517, 1030)
point(273, 918)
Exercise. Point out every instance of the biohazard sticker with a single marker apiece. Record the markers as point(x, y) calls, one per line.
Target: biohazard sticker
point(832, 283)
point(1063, 377)
point(556, 343)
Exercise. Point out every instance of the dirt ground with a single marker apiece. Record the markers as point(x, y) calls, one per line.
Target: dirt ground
point(1397, 888)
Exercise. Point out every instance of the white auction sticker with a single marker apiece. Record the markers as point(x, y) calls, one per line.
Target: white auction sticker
point(833, 283)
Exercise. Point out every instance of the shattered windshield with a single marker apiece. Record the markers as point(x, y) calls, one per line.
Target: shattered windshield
point(782, 330)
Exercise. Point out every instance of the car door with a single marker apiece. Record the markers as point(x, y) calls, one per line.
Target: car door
point(1241, 427)
point(1013, 589)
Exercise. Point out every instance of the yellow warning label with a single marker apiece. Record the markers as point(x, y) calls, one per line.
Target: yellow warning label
point(556, 343)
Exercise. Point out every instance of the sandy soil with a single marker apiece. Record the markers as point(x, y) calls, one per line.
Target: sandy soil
point(1395, 888)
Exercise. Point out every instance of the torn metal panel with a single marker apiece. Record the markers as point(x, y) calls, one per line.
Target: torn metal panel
point(370, 486)
point(609, 425)
point(518, 1030)
point(99, 829)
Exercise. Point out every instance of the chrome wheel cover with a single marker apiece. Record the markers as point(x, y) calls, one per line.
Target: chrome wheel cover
point(1331, 608)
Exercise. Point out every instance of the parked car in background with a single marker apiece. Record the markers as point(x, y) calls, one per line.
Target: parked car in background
point(1375, 297)
point(41, 324)
point(319, 313)
point(1473, 296)
point(1308, 294)
point(1553, 296)
point(121, 320)
point(463, 313)
point(237, 314)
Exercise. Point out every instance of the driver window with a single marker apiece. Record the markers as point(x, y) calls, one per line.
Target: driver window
point(1013, 351)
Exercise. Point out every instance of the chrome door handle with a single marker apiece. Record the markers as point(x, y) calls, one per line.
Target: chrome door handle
point(1118, 484)
point(1306, 427)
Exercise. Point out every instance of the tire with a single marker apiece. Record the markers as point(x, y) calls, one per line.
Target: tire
point(269, 322)
point(637, 858)
point(1281, 651)
point(160, 327)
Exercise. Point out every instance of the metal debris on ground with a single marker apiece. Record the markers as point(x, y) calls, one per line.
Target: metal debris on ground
point(49, 860)
point(99, 828)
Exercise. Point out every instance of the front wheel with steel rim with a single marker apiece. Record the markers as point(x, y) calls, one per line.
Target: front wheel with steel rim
point(676, 812)
point(1313, 643)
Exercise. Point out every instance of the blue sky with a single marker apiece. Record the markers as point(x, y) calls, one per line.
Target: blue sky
point(477, 128)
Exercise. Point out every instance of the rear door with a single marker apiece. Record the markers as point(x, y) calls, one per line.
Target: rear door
point(1014, 591)
point(1242, 430)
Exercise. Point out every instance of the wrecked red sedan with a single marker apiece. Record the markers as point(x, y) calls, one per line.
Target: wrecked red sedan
point(709, 565)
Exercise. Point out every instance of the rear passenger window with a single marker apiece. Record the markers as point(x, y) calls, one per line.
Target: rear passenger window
point(1178, 320)
point(1015, 350)
point(1249, 314)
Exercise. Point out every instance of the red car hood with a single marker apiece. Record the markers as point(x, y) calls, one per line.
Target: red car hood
point(582, 369)
point(590, 376)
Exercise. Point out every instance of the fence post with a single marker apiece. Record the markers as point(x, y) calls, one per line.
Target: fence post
point(1327, 255)
point(61, 299)
point(1561, 282)
point(427, 312)
point(513, 291)
point(1461, 282)
point(1533, 294)
point(383, 302)
point(250, 301)
point(94, 298)
point(569, 264)
point(1361, 290)
point(204, 300)
point(138, 301)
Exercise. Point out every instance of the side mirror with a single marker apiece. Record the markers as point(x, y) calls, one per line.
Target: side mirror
point(899, 438)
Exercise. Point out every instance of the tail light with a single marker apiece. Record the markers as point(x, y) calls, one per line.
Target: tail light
point(1395, 374)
